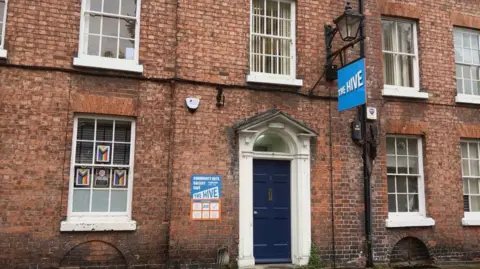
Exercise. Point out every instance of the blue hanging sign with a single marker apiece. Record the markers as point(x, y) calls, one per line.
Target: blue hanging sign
point(206, 187)
point(351, 85)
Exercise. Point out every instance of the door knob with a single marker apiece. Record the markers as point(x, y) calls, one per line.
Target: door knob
point(255, 212)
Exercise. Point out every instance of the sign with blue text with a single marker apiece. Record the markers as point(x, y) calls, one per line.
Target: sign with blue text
point(206, 187)
point(351, 85)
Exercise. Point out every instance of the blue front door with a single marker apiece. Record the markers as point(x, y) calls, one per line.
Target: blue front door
point(271, 211)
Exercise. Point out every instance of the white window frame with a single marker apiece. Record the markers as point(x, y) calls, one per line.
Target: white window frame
point(86, 60)
point(400, 91)
point(259, 77)
point(3, 52)
point(463, 97)
point(412, 219)
point(470, 218)
point(100, 221)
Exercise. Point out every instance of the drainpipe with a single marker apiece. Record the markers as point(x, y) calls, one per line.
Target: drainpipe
point(366, 159)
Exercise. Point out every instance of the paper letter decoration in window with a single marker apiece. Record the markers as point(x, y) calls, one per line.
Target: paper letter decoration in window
point(120, 178)
point(83, 177)
point(103, 154)
point(101, 179)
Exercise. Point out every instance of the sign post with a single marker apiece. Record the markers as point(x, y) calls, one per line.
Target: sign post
point(351, 85)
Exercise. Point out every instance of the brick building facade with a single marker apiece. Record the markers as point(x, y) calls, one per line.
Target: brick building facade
point(56, 76)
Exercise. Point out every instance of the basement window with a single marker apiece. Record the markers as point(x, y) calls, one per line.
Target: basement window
point(101, 174)
point(109, 35)
point(3, 20)
point(405, 183)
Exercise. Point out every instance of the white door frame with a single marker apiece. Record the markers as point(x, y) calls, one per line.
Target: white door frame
point(298, 140)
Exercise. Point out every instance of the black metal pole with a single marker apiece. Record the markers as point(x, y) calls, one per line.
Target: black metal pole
point(366, 159)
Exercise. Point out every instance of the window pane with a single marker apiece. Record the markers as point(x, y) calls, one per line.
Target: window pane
point(270, 142)
point(412, 185)
point(258, 7)
point(272, 8)
point(92, 23)
point(392, 203)
point(96, 5)
point(122, 131)
point(401, 146)
point(474, 41)
point(413, 202)
point(102, 178)
point(467, 86)
point(402, 203)
point(402, 165)
point(389, 68)
point(127, 29)
point(81, 200)
point(129, 8)
point(465, 170)
point(100, 201)
point(390, 145)
point(93, 45)
point(474, 186)
point(459, 85)
point(465, 186)
point(466, 40)
point(413, 147)
point(413, 165)
point(466, 203)
point(118, 201)
point(103, 153)
point(467, 56)
point(109, 47)
point(111, 6)
point(458, 54)
point(84, 152)
point(475, 202)
point(405, 37)
point(473, 150)
point(406, 70)
point(85, 129)
point(391, 184)
point(121, 154)
point(104, 130)
point(475, 57)
point(391, 165)
point(285, 10)
point(458, 38)
point(2, 9)
point(110, 26)
point(388, 35)
point(466, 72)
point(401, 184)
point(126, 49)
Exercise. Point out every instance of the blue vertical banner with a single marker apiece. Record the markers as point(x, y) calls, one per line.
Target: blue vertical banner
point(351, 85)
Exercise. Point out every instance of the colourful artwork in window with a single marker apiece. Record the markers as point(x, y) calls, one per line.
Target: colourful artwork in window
point(83, 177)
point(120, 178)
point(101, 177)
point(103, 154)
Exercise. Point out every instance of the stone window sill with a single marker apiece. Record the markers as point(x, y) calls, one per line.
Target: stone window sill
point(467, 99)
point(108, 63)
point(409, 221)
point(98, 225)
point(274, 79)
point(404, 92)
point(3, 54)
